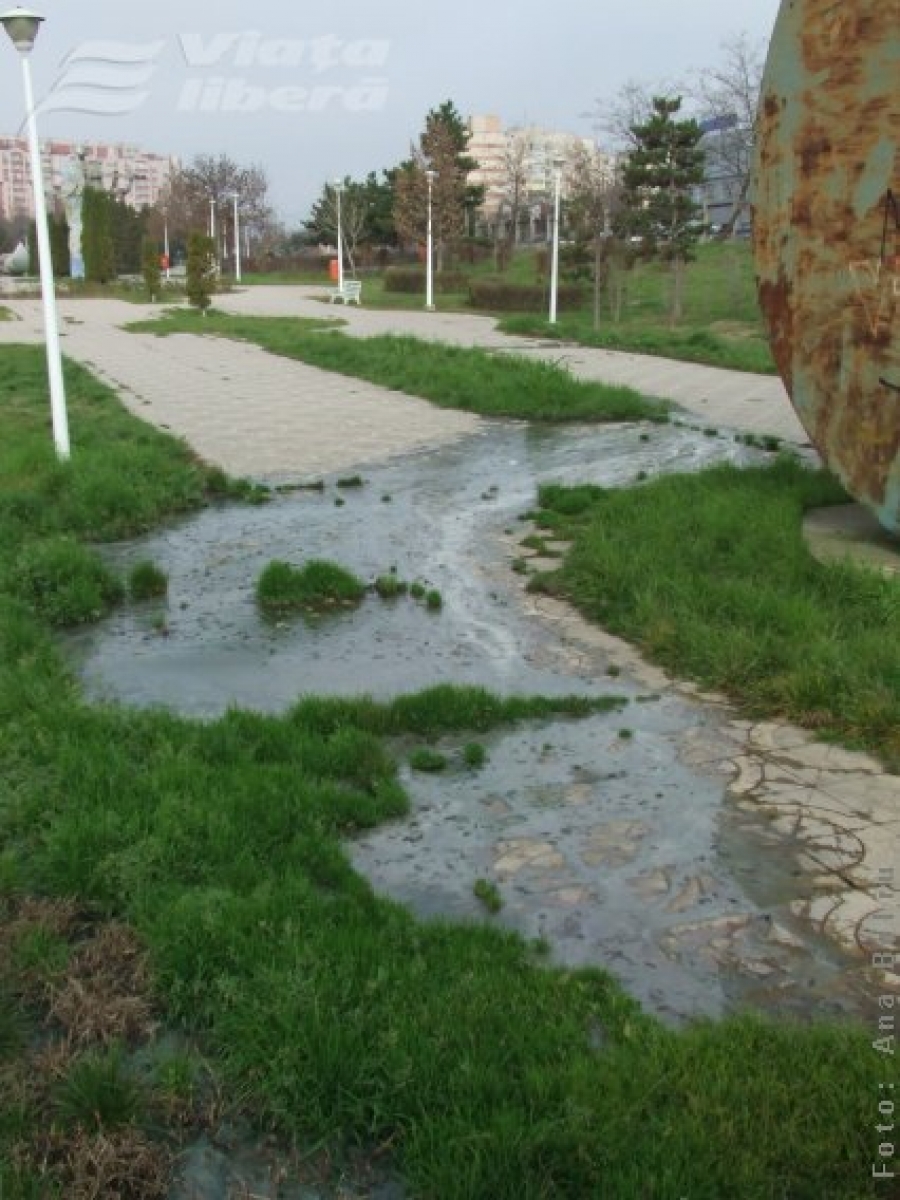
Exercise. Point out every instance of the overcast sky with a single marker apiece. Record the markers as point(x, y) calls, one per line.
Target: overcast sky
point(313, 91)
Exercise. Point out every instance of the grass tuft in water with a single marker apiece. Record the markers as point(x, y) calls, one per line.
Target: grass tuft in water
point(319, 586)
point(147, 581)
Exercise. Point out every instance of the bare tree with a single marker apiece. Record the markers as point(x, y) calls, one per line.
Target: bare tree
point(614, 117)
point(187, 198)
point(515, 182)
point(354, 215)
point(728, 95)
point(593, 192)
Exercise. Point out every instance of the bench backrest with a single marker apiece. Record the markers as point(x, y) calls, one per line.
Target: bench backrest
point(352, 287)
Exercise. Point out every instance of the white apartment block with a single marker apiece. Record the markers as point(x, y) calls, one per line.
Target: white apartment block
point(136, 175)
point(493, 148)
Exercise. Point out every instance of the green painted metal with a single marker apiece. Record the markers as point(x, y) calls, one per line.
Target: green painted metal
point(827, 233)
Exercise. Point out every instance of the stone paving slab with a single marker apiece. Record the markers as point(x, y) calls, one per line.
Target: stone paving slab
point(249, 411)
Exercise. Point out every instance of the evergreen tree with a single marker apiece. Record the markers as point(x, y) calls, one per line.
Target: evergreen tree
point(150, 268)
point(657, 197)
point(97, 244)
point(59, 246)
point(442, 149)
point(34, 261)
point(201, 271)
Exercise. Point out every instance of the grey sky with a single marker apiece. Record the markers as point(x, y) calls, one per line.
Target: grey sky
point(382, 66)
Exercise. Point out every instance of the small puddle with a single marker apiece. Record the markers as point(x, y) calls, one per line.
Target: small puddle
point(599, 837)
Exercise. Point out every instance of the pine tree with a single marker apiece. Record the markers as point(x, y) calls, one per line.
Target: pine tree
point(442, 149)
point(150, 268)
point(97, 244)
point(658, 181)
point(201, 271)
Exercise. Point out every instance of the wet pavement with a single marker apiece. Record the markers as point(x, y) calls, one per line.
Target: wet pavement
point(705, 861)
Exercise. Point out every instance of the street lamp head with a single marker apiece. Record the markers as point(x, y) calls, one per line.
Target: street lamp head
point(431, 176)
point(558, 163)
point(22, 27)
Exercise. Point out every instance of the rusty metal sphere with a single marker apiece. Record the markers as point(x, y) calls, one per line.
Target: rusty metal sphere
point(826, 233)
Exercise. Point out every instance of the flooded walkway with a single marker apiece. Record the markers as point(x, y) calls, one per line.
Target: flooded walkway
point(709, 863)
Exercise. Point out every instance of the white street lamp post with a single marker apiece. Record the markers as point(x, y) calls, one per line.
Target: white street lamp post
point(212, 218)
point(429, 248)
point(166, 245)
point(22, 27)
point(237, 240)
point(554, 268)
point(339, 187)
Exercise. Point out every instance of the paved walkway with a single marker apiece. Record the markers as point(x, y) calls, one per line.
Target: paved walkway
point(256, 414)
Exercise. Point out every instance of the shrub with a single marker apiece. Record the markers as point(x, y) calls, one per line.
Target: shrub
point(64, 582)
point(146, 581)
point(412, 281)
point(427, 760)
point(388, 587)
point(317, 587)
point(474, 755)
point(499, 296)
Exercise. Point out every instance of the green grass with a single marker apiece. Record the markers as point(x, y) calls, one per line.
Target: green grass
point(722, 325)
point(147, 581)
point(474, 755)
point(489, 895)
point(427, 760)
point(318, 586)
point(740, 604)
point(336, 1016)
point(492, 385)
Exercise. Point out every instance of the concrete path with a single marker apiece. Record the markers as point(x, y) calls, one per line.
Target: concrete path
point(256, 414)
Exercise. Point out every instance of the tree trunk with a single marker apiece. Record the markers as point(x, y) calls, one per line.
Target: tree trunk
point(676, 311)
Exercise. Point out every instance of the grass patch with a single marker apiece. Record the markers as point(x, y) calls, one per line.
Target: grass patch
point(147, 581)
point(474, 755)
point(491, 385)
point(341, 1019)
point(685, 345)
point(740, 605)
point(64, 582)
point(489, 895)
point(429, 761)
point(390, 587)
point(319, 586)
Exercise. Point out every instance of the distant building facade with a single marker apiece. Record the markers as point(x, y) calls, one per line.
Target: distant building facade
point(137, 176)
point(724, 188)
point(496, 151)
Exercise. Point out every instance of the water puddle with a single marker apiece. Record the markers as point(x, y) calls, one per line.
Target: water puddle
point(599, 836)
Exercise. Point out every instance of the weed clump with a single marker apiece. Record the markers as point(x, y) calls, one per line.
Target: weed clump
point(147, 581)
point(316, 587)
point(427, 760)
point(489, 895)
point(389, 587)
point(474, 755)
point(64, 582)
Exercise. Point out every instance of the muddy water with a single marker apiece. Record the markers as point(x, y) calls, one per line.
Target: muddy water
point(598, 836)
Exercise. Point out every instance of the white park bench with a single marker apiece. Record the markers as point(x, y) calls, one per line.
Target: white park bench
point(348, 293)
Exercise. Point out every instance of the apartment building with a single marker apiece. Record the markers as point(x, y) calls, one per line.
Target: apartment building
point(500, 152)
point(136, 175)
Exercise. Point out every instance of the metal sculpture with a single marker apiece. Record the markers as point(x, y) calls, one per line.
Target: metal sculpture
point(827, 233)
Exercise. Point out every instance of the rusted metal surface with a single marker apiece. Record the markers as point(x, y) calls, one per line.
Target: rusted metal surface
point(827, 233)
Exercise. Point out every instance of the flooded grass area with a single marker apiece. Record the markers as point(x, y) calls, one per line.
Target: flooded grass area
point(600, 839)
